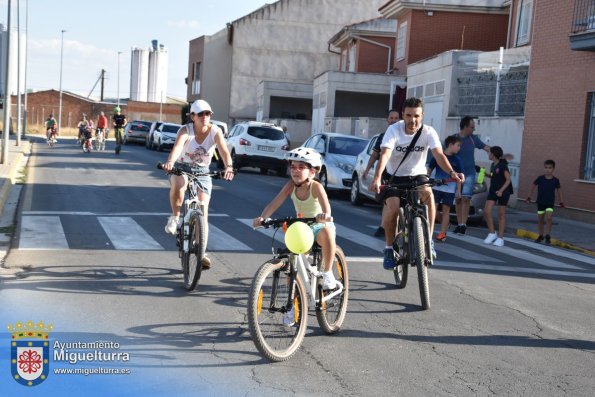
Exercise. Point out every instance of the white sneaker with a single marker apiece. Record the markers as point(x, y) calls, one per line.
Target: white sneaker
point(490, 238)
point(172, 225)
point(289, 318)
point(499, 242)
point(328, 281)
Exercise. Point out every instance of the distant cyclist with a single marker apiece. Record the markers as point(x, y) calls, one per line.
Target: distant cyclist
point(50, 126)
point(83, 126)
point(102, 124)
point(119, 122)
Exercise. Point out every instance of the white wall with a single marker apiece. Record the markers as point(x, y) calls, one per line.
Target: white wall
point(287, 41)
point(13, 59)
point(216, 74)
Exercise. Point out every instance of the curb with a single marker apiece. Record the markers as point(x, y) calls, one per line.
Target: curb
point(532, 236)
point(10, 177)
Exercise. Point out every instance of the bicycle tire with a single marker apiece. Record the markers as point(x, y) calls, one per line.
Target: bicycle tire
point(420, 262)
point(196, 250)
point(400, 245)
point(268, 293)
point(331, 314)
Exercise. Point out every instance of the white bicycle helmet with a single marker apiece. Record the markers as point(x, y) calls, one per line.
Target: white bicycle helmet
point(306, 155)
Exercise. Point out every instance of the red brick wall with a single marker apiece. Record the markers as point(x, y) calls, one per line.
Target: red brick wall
point(556, 108)
point(372, 58)
point(448, 30)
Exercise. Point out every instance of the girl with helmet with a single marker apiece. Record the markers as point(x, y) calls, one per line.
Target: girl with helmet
point(193, 150)
point(310, 200)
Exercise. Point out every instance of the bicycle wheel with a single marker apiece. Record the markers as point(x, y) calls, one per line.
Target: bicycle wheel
point(266, 311)
point(400, 245)
point(331, 314)
point(196, 250)
point(420, 262)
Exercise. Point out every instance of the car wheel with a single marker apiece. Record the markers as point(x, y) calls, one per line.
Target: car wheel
point(355, 197)
point(323, 178)
point(264, 171)
point(234, 160)
point(147, 142)
point(152, 145)
point(159, 147)
point(125, 140)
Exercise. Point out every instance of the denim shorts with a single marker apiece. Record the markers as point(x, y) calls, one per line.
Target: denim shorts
point(467, 188)
point(203, 183)
point(317, 227)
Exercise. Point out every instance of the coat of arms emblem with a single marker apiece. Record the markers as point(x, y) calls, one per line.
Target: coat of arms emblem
point(30, 358)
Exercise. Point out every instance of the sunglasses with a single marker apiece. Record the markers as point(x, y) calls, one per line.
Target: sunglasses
point(300, 167)
point(205, 113)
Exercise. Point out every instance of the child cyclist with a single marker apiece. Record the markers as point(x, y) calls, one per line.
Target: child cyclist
point(446, 194)
point(310, 200)
point(547, 186)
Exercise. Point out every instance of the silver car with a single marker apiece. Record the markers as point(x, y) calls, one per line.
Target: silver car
point(360, 193)
point(338, 153)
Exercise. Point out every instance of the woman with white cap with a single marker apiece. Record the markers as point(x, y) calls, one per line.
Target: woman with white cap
point(194, 149)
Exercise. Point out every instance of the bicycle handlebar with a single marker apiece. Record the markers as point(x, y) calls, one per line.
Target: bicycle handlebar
point(180, 171)
point(412, 184)
point(279, 222)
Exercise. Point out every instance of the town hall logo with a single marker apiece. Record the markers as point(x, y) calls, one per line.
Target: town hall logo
point(30, 358)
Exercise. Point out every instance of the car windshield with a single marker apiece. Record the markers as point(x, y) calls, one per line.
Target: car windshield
point(173, 129)
point(272, 134)
point(345, 145)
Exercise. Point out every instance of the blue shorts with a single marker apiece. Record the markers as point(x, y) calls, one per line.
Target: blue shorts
point(467, 188)
point(441, 197)
point(317, 227)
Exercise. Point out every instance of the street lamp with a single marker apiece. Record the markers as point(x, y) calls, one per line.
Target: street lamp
point(60, 103)
point(119, 53)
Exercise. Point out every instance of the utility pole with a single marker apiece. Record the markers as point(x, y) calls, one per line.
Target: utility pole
point(6, 125)
point(60, 103)
point(102, 83)
point(26, 51)
point(19, 109)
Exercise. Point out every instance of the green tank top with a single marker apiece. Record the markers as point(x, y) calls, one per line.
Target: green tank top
point(309, 207)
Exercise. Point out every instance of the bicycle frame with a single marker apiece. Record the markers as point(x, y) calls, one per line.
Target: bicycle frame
point(191, 205)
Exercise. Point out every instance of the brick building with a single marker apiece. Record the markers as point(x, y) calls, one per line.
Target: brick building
point(560, 106)
point(429, 28)
point(41, 104)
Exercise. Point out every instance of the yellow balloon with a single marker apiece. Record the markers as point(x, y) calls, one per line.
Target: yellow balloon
point(299, 238)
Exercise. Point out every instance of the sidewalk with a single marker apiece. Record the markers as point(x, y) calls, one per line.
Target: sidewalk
point(9, 170)
point(566, 233)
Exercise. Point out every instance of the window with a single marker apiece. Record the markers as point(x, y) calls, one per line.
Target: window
point(401, 40)
point(590, 155)
point(196, 79)
point(524, 22)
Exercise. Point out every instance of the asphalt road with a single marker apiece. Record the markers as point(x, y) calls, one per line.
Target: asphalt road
point(517, 320)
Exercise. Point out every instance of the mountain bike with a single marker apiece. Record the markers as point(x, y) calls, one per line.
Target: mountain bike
point(87, 141)
point(51, 136)
point(412, 239)
point(278, 300)
point(190, 237)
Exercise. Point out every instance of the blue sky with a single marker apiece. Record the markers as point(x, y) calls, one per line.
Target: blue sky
point(94, 35)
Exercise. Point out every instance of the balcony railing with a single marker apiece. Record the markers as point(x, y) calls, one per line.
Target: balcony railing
point(584, 16)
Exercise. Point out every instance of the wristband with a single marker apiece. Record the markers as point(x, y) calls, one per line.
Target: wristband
point(230, 166)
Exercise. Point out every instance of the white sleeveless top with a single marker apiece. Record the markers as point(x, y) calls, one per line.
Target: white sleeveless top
point(198, 154)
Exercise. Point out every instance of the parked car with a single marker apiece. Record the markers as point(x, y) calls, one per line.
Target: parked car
point(136, 131)
point(256, 144)
point(152, 129)
point(338, 152)
point(165, 136)
point(360, 193)
point(223, 127)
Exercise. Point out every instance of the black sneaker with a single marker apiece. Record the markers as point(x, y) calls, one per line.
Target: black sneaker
point(457, 229)
point(463, 229)
point(539, 239)
point(379, 232)
point(548, 239)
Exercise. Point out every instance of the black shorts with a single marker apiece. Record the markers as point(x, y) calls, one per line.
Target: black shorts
point(394, 192)
point(503, 200)
point(543, 207)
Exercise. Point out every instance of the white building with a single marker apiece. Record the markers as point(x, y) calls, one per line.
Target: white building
point(13, 59)
point(148, 73)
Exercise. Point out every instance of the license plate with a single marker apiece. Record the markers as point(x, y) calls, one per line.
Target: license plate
point(266, 148)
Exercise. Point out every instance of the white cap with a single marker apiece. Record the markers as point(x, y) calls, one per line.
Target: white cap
point(199, 106)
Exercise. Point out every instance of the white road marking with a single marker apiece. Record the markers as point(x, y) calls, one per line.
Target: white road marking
point(87, 213)
point(279, 235)
point(444, 265)
point(221, 241)
point(126, 234)
point(42, 233)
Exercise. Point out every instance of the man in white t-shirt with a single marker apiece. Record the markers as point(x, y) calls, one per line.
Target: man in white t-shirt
point(394, 145)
